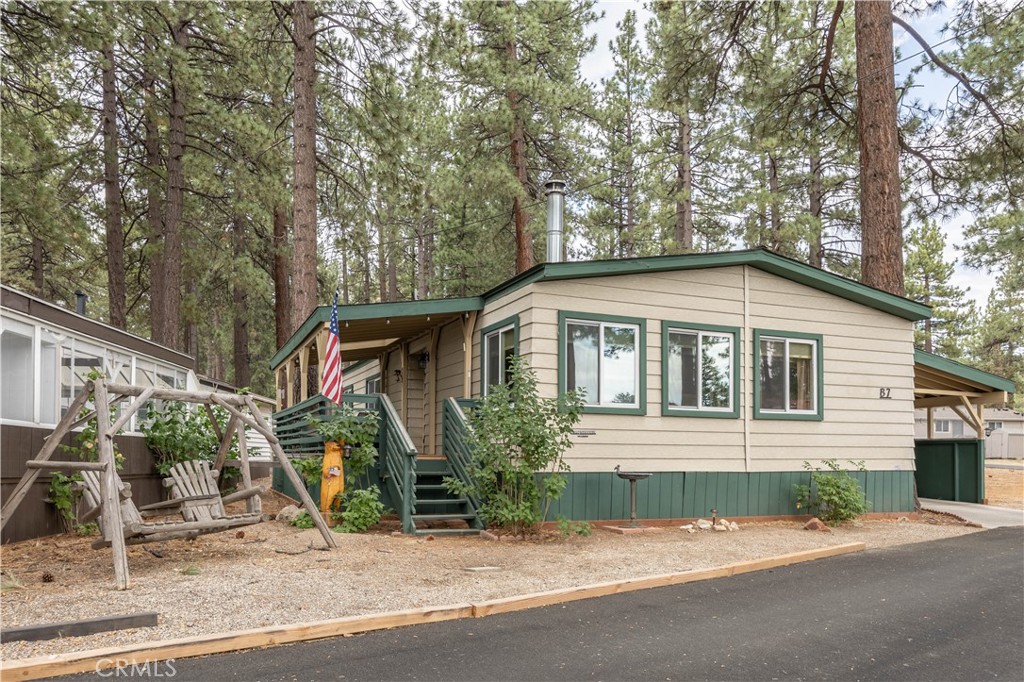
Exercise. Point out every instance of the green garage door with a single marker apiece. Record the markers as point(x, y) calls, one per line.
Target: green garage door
point(950, 469)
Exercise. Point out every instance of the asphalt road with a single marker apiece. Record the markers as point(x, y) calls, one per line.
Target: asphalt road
point(945, 610)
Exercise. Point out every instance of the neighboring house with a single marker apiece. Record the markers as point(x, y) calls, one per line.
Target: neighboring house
point(1004, 430)
point(46, 354)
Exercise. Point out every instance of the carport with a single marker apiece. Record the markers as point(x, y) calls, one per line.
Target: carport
point(954, 469)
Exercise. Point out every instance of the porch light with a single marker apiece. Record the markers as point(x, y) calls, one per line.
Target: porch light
point(398, 376)
point(424, 359)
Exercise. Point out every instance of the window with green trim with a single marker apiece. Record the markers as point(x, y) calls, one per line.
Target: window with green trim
point(700, 369)
point(373, 384)
point(789, 375)
point(602, 358)
point(498, 350)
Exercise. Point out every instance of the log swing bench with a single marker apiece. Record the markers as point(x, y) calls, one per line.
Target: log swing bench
point(193, 485)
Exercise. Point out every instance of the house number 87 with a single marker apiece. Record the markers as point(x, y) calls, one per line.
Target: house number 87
point(884, 393)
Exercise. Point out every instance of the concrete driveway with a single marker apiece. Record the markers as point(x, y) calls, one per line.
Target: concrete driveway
point(983, 514)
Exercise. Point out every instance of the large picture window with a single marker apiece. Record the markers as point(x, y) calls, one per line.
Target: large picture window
point(499, 344)
point(604, 357)
point(788, 375)
point(700, 369)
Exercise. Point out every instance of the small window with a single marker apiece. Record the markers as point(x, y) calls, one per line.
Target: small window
point(942, 426)
point(18, 385)
point(499, 346)
point(373, 385)
point(994, 426)
point(788, 376)
point(700, 369)
point(604, 356)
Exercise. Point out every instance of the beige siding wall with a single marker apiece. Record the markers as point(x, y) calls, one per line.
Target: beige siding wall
point(450, 373)
point(863, 350)
point(358, 377)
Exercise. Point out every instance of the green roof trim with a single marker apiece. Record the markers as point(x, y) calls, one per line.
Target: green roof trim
point(371, 311)
point(957, 369)
point(761, 259)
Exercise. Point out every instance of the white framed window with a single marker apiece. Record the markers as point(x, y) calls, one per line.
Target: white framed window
point(942, 426)
point(604, 357)
point(373, 385)
point(499, 344)
point(788, 378)
point(700, 370)
point(993, 426)
point(17, 364)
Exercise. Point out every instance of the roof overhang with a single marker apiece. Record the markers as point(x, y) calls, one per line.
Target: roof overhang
point(370, 329)
point(940, 382)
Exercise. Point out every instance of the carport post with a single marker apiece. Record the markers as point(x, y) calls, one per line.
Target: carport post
point(931, 425)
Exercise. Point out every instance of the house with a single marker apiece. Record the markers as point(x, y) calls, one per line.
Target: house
point(46, 355)
point(1004, 430)
point(724, 374)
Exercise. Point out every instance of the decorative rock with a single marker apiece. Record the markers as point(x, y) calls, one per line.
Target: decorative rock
point(703, 524)
point(724, 522)
point(687, 526)
point(903, 519)
point(720, 528)
point(287, 514)
point(817, 524)
point(488, 535)
point(734, 526)
point(691, 530)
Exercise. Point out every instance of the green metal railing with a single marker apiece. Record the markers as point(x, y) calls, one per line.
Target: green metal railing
point(455, 445)
point(395, 449)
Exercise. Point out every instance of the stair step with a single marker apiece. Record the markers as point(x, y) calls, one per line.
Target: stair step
point(447, 531)
point(442, 500)
point(442, 517)
point(431, 486)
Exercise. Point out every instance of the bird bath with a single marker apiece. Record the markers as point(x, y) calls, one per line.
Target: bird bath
point(632, 477)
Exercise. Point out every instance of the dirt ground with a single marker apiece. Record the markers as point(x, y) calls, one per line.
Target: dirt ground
point(1005, 487)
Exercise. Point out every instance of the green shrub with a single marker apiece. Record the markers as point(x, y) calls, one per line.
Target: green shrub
point(309, 468)
point(179, 433)
point(518, 439)
point(362, 509)
point(834, 495)
point(353, 428)
point(303, 520)
point(86, 529)
point(567, 528)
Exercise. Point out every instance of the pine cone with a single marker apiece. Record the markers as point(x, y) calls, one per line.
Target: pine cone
point(47, 577)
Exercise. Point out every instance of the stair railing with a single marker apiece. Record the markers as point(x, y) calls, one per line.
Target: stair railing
point(455, 445)
point(398, 456)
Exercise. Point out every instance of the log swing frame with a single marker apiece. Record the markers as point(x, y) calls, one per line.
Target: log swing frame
point(241, 408)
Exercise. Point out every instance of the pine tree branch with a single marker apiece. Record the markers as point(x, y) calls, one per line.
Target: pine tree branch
point(960, 76)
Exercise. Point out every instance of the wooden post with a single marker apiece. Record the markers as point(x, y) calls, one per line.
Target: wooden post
point(931, 424)
point(49, 446)
point(225, 443)
point(293, 476)
point(303, 373)
point(468, 324)
point(112, 521)
point(287, 402)
point(404, 366)
point(252, 504)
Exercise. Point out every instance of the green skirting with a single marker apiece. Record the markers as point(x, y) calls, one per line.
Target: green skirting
point(679, 495)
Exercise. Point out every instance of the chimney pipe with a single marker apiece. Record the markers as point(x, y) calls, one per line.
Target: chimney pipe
point(80, 299)
point(555, 190)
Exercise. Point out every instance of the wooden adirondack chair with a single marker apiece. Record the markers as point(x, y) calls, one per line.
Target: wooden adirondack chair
point(136, 529)
point(195, 479)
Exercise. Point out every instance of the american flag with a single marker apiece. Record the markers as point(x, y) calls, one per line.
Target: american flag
point(332, 385)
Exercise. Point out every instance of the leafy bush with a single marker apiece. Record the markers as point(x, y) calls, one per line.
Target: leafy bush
point(309, 468)
point(834, 495)
point(86, 529)
point(362, 509)
point(303, 520)
point(179, 433)
point(349, 427)
point(567, 528)
point(516, 435)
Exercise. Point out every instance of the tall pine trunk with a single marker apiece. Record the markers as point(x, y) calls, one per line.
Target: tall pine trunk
point(240, 311)
point(304, 286)
point(517, 158)
point(775, 242)
point(154, 219)
point(817, 254)
point(684, 182)
point(167, 325)
point(881, 225)
point(282, 278)
point(112, 195)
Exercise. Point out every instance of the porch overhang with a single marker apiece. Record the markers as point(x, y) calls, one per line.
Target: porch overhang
point(940, 382)
point(368, 330)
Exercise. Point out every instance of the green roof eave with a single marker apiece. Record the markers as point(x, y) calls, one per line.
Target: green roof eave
point(369, 311)
point(758, 258)
point(957, 369)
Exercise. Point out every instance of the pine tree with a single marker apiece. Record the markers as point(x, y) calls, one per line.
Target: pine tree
point(999, 344)
point(927, 278)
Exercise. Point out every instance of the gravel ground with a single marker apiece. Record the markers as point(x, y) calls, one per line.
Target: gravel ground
point(269, 576)
point(1005, 487)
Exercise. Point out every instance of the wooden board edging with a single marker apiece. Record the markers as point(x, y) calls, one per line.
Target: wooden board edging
point(150, 652)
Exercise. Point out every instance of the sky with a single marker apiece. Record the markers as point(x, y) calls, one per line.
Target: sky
point(933, 87)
